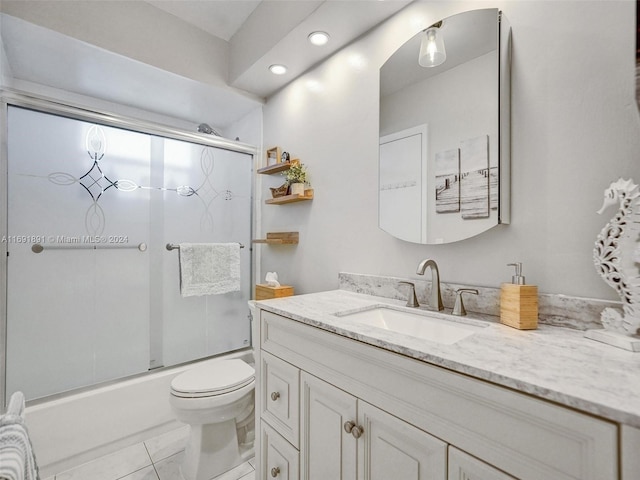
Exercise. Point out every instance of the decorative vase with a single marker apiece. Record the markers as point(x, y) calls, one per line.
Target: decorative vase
point(297, 189)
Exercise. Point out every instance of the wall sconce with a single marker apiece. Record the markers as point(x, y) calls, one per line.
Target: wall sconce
point(432, 51)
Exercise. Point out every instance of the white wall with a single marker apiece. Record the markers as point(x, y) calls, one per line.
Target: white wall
point(575, 129)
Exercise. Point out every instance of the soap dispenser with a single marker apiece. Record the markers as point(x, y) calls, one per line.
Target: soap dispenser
point(519, 302)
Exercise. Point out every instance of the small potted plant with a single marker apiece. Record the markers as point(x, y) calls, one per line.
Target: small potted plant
point(296, 178)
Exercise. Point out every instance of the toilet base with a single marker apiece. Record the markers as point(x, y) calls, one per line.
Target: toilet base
point(211, 450)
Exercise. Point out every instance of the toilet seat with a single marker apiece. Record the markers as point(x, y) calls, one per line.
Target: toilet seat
point(217, 378)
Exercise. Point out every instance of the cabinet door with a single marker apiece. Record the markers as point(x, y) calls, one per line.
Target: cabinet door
point(390, 448)
point(463, 466)
point(278, 458)
point(327, 451)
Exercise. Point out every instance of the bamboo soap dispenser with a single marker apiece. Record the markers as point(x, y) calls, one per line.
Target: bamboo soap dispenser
point(519, 302)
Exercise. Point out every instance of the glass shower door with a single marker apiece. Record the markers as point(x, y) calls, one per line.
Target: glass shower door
point(214, 206)
point(93, 294)
point(76, 315)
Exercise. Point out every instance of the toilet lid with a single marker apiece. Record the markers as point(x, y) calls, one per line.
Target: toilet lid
point(216, 378)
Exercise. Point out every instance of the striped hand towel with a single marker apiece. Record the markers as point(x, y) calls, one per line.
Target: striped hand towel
point(17, 460)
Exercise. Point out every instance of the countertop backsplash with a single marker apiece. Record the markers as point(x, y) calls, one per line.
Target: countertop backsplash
point(557, 310)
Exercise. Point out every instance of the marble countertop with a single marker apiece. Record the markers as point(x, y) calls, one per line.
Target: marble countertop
point(557, 364)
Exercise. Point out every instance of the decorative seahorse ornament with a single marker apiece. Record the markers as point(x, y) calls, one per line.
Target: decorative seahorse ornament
point(617, 256)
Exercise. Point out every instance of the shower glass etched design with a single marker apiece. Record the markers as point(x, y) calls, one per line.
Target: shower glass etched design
point(102, 301)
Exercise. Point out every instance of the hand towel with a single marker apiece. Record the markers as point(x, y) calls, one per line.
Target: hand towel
point(209, 268)
point(17, 460)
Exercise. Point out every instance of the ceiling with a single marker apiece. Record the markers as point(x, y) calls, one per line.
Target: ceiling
point(41, 46)
point(264, 32)
point(221, 18)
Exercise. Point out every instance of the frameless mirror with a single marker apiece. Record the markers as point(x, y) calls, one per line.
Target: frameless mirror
point(444, 133)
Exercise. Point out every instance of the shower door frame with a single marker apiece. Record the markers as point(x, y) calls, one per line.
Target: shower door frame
point(10, 97)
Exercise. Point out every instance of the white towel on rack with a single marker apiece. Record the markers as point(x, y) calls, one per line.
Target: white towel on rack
point(209, 268)
point(17, 460)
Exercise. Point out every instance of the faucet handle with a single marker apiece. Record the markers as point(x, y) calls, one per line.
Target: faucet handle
point(458, 308)
point(412, 300)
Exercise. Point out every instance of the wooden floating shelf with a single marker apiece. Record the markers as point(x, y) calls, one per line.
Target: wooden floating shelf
point(308, 195)
point(279, 238)
point(276, 168)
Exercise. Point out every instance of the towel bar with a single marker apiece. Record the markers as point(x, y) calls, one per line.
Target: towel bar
point(38, 248)
point(173, 246)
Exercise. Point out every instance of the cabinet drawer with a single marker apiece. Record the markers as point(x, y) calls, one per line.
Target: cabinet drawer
point(279, 396)
point(278, 457)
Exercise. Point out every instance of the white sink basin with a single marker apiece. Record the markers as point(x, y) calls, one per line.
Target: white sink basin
point(430, 326)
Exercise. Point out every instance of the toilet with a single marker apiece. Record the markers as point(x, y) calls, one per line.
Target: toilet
point(217, 401)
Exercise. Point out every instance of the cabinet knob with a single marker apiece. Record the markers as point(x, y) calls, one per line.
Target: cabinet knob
point(353, 429)
point(275, 396)
point(275, 471)
point(348, 426)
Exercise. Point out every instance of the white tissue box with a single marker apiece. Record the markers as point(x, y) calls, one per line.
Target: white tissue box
point(265, 292)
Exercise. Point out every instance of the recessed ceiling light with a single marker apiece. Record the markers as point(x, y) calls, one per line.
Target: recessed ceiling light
point(278, 69)
point(318, 38)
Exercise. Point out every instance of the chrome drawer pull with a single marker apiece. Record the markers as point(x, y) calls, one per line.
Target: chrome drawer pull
point(275, 471)
point(275, 396)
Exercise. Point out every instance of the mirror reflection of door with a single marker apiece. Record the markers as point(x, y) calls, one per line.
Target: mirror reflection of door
point(402, 171)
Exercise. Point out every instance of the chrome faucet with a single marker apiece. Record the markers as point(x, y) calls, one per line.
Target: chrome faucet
point(435, 299)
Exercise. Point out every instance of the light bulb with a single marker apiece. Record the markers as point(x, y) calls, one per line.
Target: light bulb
point(432, 51)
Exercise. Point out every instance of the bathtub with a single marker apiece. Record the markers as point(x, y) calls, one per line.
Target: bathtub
point(77, 428)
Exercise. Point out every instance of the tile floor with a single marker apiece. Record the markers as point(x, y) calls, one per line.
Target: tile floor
point(155, 459)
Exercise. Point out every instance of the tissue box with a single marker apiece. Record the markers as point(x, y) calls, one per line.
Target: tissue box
point(265, 292)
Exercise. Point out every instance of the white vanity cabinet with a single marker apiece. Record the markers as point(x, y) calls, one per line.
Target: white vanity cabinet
point(413, 420)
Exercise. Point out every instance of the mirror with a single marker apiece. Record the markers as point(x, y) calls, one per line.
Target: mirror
point(444, 133)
